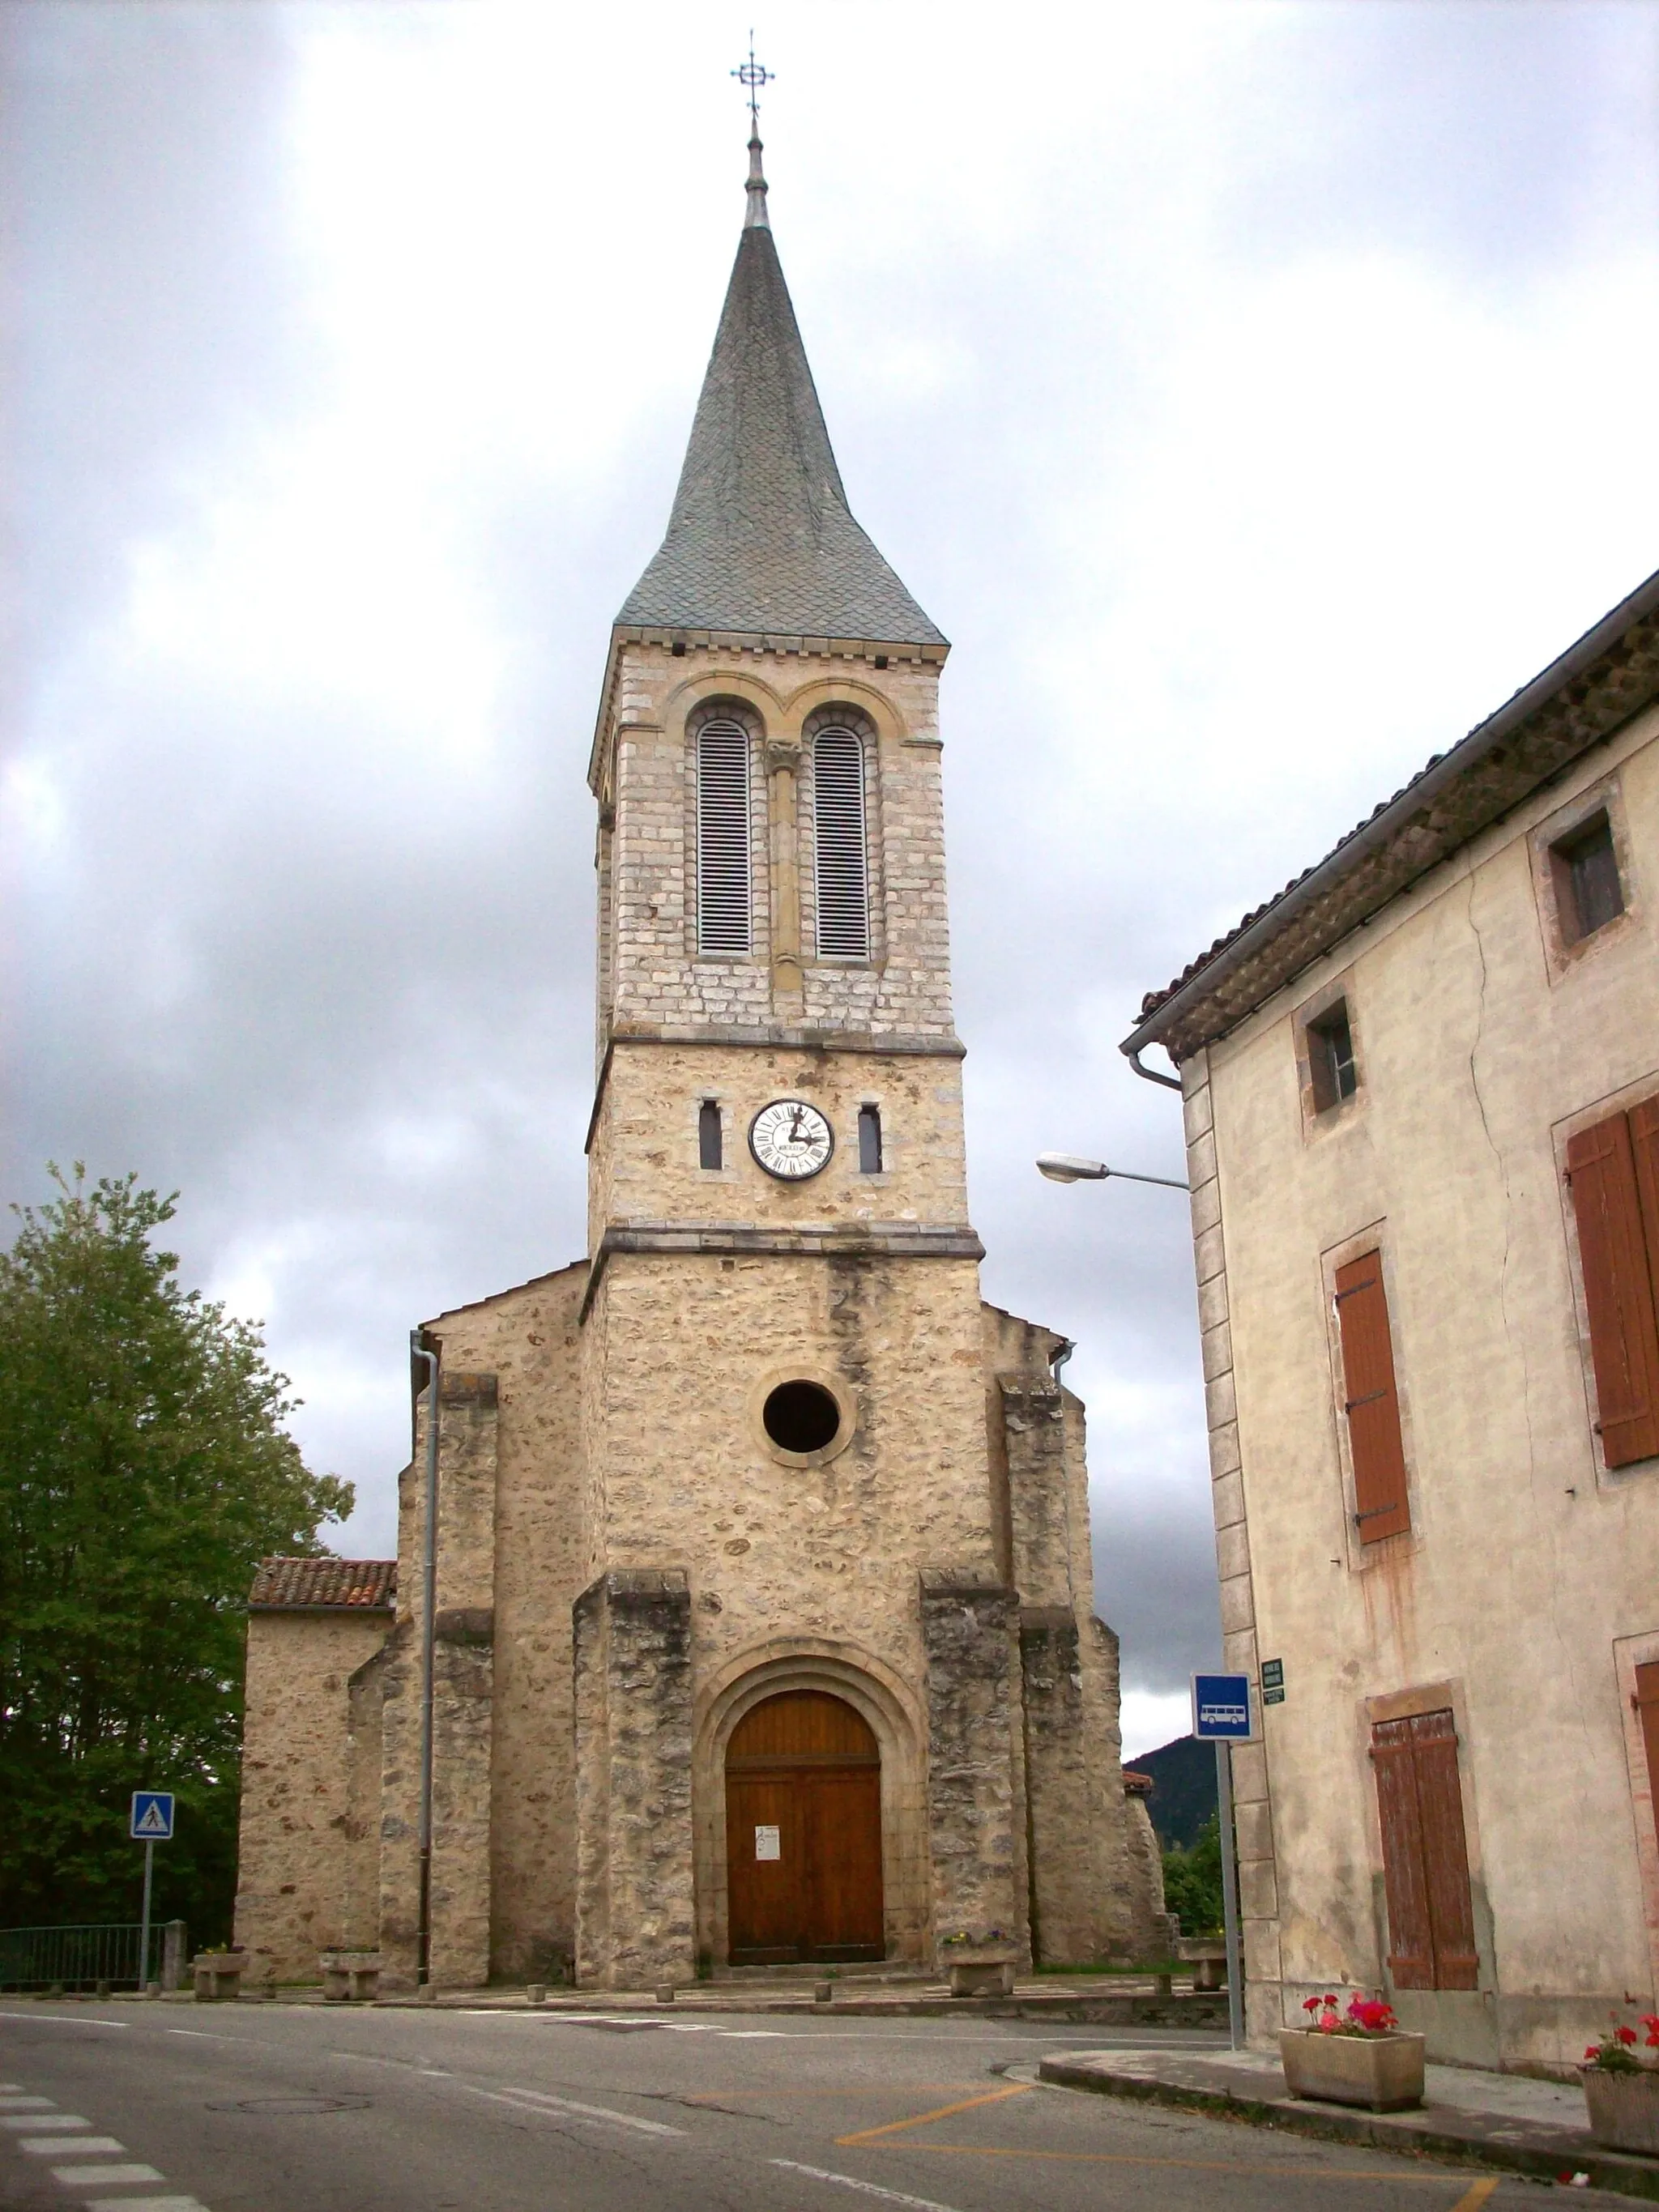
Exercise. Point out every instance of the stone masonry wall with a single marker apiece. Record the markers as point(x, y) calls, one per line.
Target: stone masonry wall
point(1089, 1899)
point(292, 1869)
point(634, 1920)
point(685, 1347)
point(969, 1628)
point(527, 1339)
point(462, 1699)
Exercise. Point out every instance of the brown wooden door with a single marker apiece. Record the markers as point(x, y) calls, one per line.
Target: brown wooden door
point(803, 1833)
point(1646, 1702)
point(1425, 1864)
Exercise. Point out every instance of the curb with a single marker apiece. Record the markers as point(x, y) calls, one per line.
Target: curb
point(1093, 2012)
point(1437, 2130)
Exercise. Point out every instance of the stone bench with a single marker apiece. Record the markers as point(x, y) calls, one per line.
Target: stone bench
point(218, 1975)
point(350, 1977)
point(982, 1977)
point(1208, 1959)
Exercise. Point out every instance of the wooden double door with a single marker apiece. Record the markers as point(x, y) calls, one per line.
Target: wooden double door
point(803, 1833)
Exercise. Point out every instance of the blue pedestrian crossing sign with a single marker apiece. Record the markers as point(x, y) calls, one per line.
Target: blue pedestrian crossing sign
point(1221, 1707)
point(152, 1816)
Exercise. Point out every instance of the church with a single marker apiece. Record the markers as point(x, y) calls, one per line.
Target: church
point(743, 1612)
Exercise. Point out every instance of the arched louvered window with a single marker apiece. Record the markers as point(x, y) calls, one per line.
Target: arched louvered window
point(842, 865)
point(723, 870)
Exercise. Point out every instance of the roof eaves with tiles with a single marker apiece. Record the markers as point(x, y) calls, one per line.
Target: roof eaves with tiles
point(1583, 698)
point(325, 1585)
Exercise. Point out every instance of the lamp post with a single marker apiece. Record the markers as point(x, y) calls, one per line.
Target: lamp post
point(1067, 1167)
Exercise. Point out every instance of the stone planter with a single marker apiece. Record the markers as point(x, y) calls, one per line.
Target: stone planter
point(217, 1975)
point(350, 1977)
point(1382, 2072)
point(1624, 2108)
point(978, 1975)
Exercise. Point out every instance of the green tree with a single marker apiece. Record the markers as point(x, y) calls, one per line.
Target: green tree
point(1192, 1881)
point(144, 1469)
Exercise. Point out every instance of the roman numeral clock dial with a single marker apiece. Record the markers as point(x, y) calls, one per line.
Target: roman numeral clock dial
point(790, 1139)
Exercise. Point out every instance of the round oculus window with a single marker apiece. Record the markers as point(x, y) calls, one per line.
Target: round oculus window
point(801, 1417)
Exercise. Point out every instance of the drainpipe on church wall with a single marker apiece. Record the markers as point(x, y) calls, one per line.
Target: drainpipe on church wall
point(429, 1650)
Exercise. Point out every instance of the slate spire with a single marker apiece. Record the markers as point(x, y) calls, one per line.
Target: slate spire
point(760, 539)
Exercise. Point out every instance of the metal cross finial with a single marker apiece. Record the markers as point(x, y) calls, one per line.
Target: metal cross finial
point(752, 76)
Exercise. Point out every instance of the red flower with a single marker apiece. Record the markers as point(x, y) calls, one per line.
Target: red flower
point(1312, 2004)
point(1626, 2035)
point(1592, 2050)
point(1650, 2022)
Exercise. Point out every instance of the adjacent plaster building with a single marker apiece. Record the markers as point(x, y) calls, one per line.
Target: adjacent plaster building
point(1422, 1104)
point(763, 1628)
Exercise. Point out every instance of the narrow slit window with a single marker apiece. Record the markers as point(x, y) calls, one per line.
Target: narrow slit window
point(710, 1145)
point(838, 832)
point(869, 1140)
point(1587, 892)
point(723, 859)
point(1331, 1062)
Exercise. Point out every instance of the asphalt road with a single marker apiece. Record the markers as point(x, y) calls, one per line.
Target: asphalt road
point(279, 2108)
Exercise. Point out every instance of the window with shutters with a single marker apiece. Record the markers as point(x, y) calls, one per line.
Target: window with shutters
point(1613, 1175)
point(1370, 1401)
point(840, 855)
point(1425, 1861)
point(724, 871)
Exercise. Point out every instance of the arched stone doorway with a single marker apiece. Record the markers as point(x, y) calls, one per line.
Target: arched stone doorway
point(802, 1827)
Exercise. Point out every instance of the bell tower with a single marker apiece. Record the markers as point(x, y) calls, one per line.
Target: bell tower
point(798, 1521)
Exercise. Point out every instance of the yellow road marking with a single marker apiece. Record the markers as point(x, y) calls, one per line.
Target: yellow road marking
point(853, 2089)
point(1476, 2196)
point(939, 2112)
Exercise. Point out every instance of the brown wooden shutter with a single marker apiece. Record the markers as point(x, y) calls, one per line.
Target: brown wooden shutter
point(1372, 1403)
point(1405, 1883)
point(1445, 1854)
point(1425, 1861)
point(1646, 1702)
point(1606, 1204)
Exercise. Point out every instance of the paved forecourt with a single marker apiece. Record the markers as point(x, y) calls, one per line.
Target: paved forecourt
point(258, 2108)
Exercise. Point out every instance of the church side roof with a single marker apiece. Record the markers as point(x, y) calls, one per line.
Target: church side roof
point(311, 1585)
point(760, 539)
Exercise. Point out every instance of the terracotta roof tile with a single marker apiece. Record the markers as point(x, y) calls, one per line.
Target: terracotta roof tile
point(287, 1585)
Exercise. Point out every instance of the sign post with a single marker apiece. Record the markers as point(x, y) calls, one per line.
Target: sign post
point(151, 1821)
point(1221, 1716)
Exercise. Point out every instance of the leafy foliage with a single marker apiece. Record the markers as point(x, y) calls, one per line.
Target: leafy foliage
point(144, 1470)
point(1192, 1881)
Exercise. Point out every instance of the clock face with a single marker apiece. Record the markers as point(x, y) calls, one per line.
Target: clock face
point(790, 1139)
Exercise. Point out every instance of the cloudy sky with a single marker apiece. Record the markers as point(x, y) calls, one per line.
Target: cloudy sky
point(1255, 393)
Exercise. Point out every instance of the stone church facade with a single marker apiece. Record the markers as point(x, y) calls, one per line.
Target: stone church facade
point(764, 1625)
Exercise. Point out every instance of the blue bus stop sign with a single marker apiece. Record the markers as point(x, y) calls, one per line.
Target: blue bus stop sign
point(1221, 1708)
point(151, 1820)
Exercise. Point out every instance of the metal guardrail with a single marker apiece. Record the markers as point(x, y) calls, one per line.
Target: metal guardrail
point(84, 1957)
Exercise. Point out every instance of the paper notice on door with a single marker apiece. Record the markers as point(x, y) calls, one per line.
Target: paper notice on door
point(769, 1844)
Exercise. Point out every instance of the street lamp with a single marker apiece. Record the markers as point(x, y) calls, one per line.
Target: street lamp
point(1066, 1167)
